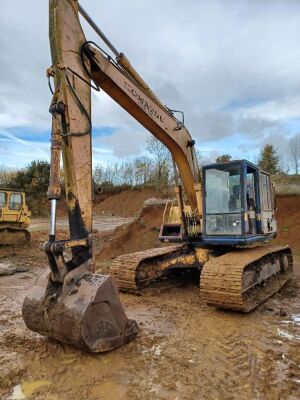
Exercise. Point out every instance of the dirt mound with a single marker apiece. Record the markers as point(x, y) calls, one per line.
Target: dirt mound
point(141, 234)
point(125, 204)
point(288, 219)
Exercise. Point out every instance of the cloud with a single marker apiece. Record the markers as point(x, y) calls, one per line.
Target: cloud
point(232, 67)
point(212, 125)
point(274, 110)
point(16, 152)
point(126, 142)
point(12, 138)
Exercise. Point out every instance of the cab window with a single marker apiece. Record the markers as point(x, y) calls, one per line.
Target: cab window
point(3, 197)
point(15, 201)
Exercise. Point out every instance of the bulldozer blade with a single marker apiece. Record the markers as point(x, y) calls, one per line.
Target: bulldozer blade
point(84, 311)
point(16, 237)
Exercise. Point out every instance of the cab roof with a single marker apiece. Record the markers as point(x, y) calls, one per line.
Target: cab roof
point(2, 189)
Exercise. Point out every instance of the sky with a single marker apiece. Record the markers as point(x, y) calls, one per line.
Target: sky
point(232, 66)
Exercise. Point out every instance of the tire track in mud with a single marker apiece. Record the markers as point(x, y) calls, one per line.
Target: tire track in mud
point(226, 372)
point(249, 366)
point(232, 356)
point(206, 358)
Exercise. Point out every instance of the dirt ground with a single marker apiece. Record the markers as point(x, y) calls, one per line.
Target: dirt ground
point(140, 234)
point(184, 350)
point(125, 204)
point(289, 221)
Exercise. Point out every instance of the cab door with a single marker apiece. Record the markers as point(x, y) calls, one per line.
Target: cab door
point(268, 221)
point(251, 206)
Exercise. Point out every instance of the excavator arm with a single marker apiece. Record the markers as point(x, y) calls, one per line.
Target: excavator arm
point(71, 129)
point(75, 63)
point(72, 303)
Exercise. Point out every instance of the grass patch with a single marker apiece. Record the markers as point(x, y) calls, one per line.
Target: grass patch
point(287, 185)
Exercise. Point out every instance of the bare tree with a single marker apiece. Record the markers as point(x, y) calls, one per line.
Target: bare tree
point(98, 174)
point(142, 170)
point(162, 159)
point(295, 152)
point(127, 172)
point(153, 170)
point(7, 175)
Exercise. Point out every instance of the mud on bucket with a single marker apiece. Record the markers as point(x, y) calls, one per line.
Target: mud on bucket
point(84, 311)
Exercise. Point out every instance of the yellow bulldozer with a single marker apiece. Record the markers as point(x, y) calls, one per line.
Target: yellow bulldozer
point(14, 217)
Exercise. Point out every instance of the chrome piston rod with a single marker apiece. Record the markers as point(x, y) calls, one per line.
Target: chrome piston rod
point(98, 31)
point(53, 219)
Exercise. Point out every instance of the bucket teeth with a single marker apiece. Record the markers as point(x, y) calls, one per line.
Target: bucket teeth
point(84, 311)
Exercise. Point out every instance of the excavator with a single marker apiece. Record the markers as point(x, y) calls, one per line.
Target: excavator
point(220, 223)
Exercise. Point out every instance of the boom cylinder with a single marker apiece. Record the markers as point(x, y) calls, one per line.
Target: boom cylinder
point(52, 220)
point(54, 189)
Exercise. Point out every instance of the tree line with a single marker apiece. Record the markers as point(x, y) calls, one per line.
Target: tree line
point(270, 161)
point(153, 170)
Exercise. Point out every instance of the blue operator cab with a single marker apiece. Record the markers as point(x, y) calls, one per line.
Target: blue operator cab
point(238, 204)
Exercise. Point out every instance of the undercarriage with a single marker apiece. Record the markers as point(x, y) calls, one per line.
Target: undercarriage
point(238, 280)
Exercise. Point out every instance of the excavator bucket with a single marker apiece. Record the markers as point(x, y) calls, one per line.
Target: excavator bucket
point(84, 311)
